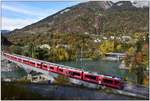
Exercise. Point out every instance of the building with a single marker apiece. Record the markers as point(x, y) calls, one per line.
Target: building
point(114, 56)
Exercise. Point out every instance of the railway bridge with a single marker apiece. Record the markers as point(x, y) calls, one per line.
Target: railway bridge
point(48, 74)
point(129, 89)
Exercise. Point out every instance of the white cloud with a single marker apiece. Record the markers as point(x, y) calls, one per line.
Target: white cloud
point(36, 12)
point(11, 23)
point(18, 10)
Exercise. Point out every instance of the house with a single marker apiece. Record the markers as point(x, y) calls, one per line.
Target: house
point(45, 46)
point(114, 56)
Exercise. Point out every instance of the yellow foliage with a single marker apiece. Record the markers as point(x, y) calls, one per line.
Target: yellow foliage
point(146, 81)
point(138, 35)
point(61, 54)
point(106, 46)
point(131, 51)
point(119, 47)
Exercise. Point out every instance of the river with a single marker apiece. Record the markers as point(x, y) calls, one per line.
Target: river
point(102, 67)
point(10, 70)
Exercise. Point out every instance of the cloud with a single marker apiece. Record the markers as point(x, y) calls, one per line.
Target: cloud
point(36, 12)
point(36, 15)
point(18, 10)
point(11, 23)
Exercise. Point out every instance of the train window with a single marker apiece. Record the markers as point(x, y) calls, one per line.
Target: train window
point(45, 66)
point(19, 59)
point(108, 81)
point(90, 77)
point(32, 62)
point(61, 70)
point(117, 82)
point(74, 73)
point(25, 61)
point(39, 64)
point(51, 67)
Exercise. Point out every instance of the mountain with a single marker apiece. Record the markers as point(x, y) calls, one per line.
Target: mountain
point(5, 32)
point(4, 41)
point(92, 17)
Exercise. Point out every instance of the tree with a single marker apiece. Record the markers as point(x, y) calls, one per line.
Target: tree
point(118, 48)
point(138, 67)
point(131, 51)
point(15, 49)
point(62, 54)
point(62, 80)
point(41, 54)
point(58, 54)
point(106, 46)
point(135, 61)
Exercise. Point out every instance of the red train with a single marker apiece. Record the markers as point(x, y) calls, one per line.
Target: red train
point(113, 82)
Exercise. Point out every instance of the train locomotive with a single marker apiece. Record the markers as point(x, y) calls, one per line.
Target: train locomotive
point(105, 80)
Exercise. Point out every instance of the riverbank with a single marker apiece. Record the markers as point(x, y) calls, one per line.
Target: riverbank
point(10, 70)
point(56, 92)
point(14, 91)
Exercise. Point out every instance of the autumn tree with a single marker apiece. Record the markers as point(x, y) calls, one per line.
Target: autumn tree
point(15, 49)
point(62, 80)
point(135, 61)
point(58, 54)
point(41, 54)
point(106, 46)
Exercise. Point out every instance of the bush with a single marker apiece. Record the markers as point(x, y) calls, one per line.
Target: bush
point(62, 80)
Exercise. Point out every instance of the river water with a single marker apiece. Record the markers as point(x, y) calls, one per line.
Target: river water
point(10, 70)
point(102, 67)
point(14, 74)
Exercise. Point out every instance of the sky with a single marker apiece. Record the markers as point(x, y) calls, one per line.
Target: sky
point(18, 14)
point(22, 13)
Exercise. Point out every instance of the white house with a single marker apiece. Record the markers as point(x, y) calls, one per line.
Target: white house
point(114, 56)
point(45, 46)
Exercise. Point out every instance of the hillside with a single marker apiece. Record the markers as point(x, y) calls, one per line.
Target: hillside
point(5, 32)
point(93, 17)
point(4, 41)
